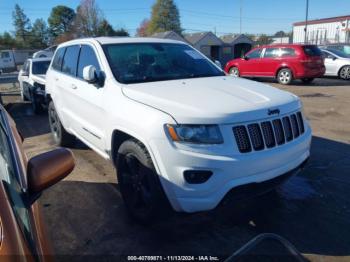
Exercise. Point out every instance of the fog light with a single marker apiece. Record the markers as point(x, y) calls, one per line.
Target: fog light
point(197, 176)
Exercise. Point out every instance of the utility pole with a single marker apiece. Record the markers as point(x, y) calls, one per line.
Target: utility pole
point(240, 17)
point(306, 20)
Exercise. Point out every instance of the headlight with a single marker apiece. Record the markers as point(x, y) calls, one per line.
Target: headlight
point(199, 134)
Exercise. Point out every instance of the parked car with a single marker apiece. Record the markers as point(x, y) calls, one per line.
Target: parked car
point(176, 127)
point(23, 235)
point(284, 62)
point(341, 47)
point(47, 52)
point(31, 80)
point(337, 63)
point(10, 59)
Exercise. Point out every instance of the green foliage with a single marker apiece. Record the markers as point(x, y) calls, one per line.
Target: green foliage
point(106, 29)
point(22, 24)
point(121, 32)
point(7, 41)
point(61, 20)
point(39, 34)
point(280, 34)
point(165, 17)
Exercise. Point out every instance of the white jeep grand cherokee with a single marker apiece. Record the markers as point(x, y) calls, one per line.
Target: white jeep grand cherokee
point(176, 127)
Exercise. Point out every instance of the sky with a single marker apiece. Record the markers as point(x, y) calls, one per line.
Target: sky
point(220, 16)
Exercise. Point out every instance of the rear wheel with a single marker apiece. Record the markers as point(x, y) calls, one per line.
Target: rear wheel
point(285, 76)
point(60, 135)
point(344, 73)
point(307, 80)
point(139, 183)
point(234, 71)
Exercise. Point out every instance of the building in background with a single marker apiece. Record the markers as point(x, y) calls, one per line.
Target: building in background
point(323, 31)
point(222, 49)
point(235, 46)
point(206, 42)
point(281, 40)
point(169, 35)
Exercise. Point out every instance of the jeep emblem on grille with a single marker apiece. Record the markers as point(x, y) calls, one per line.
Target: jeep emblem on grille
point(273, 112)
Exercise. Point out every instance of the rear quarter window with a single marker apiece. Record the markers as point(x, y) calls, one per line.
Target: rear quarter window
point(57, 60)
point(287, 52)
point(312, 51)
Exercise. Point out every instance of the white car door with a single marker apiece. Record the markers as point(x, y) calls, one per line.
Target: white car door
point(330, 63)
point(23, 78)
point(64, 79)
point(86, 101)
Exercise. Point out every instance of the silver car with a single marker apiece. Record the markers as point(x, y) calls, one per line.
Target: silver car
point(337, 63)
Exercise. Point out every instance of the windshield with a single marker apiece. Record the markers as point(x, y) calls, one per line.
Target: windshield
point(339, 53)
point(146, 62)
point(40, 68)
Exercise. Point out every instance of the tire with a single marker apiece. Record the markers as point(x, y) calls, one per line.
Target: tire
point(344, 73)
point(139, 183)
point(285, 76)
point(60, 135)
point(307, 80)
point(234, 71)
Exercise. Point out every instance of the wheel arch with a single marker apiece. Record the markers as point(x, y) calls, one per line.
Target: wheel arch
point(118, 137)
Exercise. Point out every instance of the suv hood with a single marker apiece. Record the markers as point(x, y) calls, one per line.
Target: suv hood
point(213, 100)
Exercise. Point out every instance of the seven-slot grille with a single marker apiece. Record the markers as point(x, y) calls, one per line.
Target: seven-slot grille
point(268, 134)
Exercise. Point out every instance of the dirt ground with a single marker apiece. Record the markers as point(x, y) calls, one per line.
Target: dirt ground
point(86, 216)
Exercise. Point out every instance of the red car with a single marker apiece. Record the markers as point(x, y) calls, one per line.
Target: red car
point(283, 62)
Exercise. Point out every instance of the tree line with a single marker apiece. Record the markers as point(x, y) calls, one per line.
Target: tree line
point(63, 24)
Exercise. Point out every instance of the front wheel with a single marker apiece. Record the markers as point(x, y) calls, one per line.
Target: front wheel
point(345, 73)
point(234, 71)
point(60, 135)
point(139, 183)
point(285, 76)
point(307, 80)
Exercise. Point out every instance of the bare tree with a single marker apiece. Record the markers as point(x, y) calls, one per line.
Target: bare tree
point(88, 19)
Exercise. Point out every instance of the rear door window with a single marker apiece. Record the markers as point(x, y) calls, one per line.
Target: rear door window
point(312, 50)
point(286, 52)
point(87, 57)
point(272, 53)
point(57, 60)
point(70, 60)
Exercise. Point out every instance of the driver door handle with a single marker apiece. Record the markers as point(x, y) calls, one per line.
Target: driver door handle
point(73, 86)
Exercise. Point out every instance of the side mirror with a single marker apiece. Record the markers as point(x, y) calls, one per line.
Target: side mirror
point(47, 169)
point(245, 57)
point(334, 58)
point(217, 62)
point(90, 74)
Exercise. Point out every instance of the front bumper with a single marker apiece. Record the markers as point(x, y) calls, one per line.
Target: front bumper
point(229, 170)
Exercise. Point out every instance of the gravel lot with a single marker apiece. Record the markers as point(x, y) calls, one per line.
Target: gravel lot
point(85, 213)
